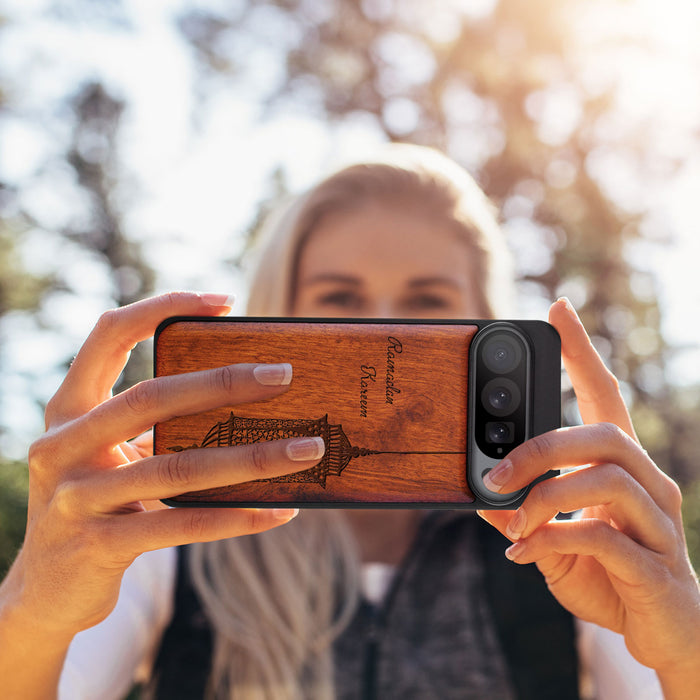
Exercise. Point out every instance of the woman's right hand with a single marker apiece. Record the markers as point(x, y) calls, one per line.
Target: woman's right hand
point(88, 516)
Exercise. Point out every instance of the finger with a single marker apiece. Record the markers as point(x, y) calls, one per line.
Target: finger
point(596, 388)
point(618, 554)
point(102, 357)
point(166, 476)
point(579, 445)
point(156, 400)
point(143, 532)
point(606, 486)
point(497, 518)
point(143, 444)
point(131, 452)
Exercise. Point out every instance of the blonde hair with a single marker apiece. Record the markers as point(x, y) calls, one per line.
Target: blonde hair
point(277, 600)
point(416, 176)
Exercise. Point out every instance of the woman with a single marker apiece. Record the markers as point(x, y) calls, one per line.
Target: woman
point(276, 601)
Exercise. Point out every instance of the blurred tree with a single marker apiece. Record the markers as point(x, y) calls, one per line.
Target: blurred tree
point(94, 156)
point(88, 241)
point(502, 88)
point(97, 233)
point(18, 291)
point(13, 510)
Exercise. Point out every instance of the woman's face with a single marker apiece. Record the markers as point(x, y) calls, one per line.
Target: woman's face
point(387, 262)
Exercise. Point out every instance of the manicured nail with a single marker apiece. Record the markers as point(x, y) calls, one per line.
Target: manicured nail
point(285, 514)
point(218, 299)
point(499, 476)
point(515, 550)
point(274, 375)
point(569, 306)
point(306, 449)
point(517, 525)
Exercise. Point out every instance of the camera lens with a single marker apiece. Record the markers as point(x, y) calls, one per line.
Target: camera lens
point(500, 396)
point(499, 432)
point(502, 353)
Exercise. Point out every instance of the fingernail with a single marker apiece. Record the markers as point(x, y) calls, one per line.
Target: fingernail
point(305, 449)
point(517, 525)
point(285, 514)
point(273, 375)
point(218, 299)
point(515, 550)
point(498, 477)
point(569, 306)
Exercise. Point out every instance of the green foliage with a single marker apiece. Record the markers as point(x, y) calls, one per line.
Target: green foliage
point(18, 289)
point(14, 483)
point(691, 521)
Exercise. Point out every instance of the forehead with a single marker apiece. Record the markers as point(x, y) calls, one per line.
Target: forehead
point(385, 240)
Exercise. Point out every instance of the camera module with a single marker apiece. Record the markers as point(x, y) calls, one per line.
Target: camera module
point(501, 395)
point(505, 358)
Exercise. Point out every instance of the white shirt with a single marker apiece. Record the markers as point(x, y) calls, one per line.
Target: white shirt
point(104, 661)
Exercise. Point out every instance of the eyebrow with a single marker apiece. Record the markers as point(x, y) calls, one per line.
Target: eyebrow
point(333, 277)
point(418, 283)
point(433, 281)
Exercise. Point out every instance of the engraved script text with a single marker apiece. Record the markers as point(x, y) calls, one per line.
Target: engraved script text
point(368, 374)
point(394, 348)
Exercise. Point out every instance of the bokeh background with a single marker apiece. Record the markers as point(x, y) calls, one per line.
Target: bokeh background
point(141, 141)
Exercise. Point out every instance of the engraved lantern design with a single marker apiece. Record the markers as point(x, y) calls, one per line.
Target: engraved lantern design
point(238, 430)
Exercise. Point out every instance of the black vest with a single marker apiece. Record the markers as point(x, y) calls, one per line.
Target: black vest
point(534, 634)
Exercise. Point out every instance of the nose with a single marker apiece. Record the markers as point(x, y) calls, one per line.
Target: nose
point(383, 308)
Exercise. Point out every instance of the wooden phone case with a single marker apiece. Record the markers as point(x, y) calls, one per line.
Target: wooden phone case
point(389, 399)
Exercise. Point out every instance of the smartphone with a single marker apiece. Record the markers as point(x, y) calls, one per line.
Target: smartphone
point(413, 413)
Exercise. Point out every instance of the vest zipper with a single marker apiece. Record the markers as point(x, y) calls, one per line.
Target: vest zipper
point(369, 671)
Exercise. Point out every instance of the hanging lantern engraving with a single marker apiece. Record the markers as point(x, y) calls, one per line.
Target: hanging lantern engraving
point(339, 451)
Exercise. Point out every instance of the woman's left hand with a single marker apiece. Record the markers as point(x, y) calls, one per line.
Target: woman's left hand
point(623, 564)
